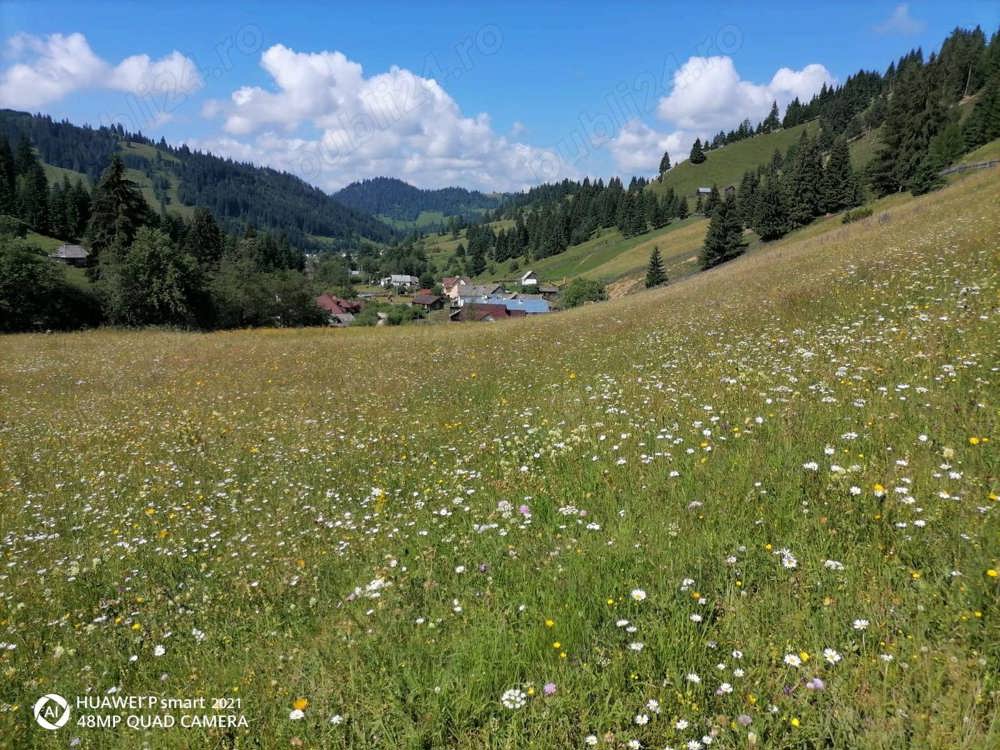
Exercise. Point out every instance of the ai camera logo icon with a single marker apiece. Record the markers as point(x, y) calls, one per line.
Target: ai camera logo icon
point(51, 711)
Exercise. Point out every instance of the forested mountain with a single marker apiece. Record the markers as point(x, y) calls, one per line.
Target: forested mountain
point(238, 194)
point(395, 199)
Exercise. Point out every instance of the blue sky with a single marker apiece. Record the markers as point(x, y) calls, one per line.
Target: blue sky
point(447, 93)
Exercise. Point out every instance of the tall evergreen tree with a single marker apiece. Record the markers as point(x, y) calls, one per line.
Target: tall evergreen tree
point(804, 182)
point(664, 164)
point(117, 211)
point(983, 123)
point(772, 122)
point(655, 275)
point(713, 199)
point(33, 197)
point(724, 239)
point(682, 209)
point(746, 197)
point(8, 179)
point(770, 220)
point(841, 188)
point(915, 115)
point(697, 155)
point(203, 240)
point(79, 209)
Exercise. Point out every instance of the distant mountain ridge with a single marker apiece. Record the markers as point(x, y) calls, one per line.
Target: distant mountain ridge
point(394, 199)
point(177, 178)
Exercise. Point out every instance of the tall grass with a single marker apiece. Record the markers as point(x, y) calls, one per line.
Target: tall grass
point(678, 511)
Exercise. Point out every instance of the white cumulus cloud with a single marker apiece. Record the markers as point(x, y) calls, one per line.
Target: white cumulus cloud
point(328, 122)
point(708, 95)
point(638, 148)
point(45, 69)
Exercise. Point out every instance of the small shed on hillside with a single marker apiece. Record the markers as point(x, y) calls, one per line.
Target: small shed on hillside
point(71, 255)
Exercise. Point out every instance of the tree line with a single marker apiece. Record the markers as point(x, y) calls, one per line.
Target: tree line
point(151, 269)
point(922, 131)
point(237, 193)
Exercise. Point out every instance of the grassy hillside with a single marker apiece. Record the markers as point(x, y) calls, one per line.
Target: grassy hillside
point(761, 501)
point(726, 165)
point(609, 255)
point(56, 174)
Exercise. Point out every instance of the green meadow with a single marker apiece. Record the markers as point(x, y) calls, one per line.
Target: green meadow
point(757, 508)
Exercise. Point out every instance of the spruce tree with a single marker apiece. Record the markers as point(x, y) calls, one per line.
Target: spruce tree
point(80, 209)
point(724, 239)
point(983, 123)
point(33, 197)
point(804, 183)
point(664, 164)
point(927, 176)
point(915, 115)
point(655, 275)
point(841, 188)
point(636, 214)
point(58, 213)
point(117, 211)
point(8, 179)
point(746, 198)
point(203, 240)
point(697, 155)
point(772, 122)
point(682, 209)
point(771, 217)
point(713, 199)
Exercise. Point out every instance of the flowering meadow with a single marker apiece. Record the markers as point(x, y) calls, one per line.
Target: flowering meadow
point(757, 508)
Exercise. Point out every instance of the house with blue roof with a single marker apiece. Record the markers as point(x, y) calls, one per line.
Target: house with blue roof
point(528, 305)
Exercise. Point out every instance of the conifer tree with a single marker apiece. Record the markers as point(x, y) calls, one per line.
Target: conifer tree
point(203, 240)
point(724, 239)
point(772, 122)
point(117, 211)
point(983, 123)
point(713, 199)
point(33, 197)
point(655, 274)
point(79, 208)
point(8, 179)
point(746, 198)
point(915, 115)
point(682, 209)
point(927, 177)
point(770, 220)
point(697, 155)
point(804, 183)
point(841, 188)
point(664, 164)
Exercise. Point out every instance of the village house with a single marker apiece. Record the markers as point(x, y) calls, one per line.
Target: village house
point(548, 291)
point(527, 304)
point(477, 293)
point(398, 280)
point(484, 313)
point(71, 255)
point(453, 284)
point(427, 300)
point(340, 312)
point(530, 278)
